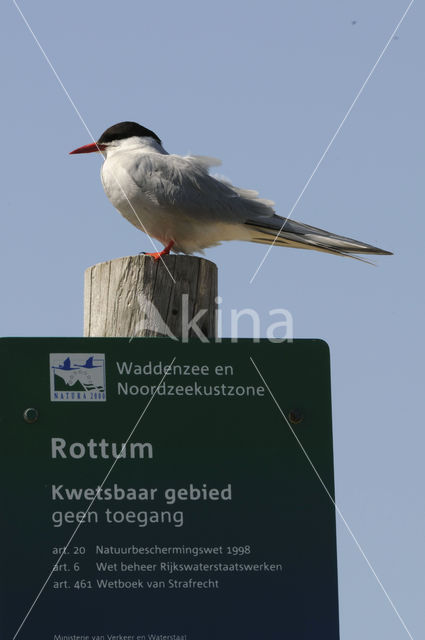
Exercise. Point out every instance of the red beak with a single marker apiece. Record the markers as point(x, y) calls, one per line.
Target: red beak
point(89, 148)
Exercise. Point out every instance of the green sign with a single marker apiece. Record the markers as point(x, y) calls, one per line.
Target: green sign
point(154, 490)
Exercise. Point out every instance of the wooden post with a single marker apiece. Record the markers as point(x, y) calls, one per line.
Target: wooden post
point(138, 296)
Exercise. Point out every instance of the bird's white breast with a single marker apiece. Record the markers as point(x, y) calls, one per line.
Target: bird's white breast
point(137, 205)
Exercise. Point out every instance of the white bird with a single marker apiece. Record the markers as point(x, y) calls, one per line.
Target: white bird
point(175, 200)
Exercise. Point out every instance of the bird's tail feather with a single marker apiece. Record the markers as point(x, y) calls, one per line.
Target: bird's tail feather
point(289, 233)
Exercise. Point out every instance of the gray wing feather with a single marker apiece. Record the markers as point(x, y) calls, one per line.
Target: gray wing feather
point(184, 183)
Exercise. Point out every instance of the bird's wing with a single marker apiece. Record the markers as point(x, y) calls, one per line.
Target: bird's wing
point(185, 184)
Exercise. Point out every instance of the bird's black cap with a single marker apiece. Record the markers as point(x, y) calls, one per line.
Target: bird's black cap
point(124, 130)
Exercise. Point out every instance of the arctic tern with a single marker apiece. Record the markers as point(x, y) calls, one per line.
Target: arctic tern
point(175, 200)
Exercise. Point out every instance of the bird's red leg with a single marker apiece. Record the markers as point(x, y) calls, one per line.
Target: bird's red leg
point(158, 254)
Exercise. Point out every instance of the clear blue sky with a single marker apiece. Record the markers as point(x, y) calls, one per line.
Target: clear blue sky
point(263, 86)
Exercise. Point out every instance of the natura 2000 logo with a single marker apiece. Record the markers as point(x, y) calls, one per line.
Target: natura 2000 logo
point(77, 377)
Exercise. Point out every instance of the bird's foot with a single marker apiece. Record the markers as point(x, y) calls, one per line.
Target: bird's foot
point(157, 255)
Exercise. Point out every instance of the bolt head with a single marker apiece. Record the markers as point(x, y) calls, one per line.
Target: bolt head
point(31, 415)
point(295, 416)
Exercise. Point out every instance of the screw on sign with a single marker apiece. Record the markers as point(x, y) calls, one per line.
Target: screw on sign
point(295, 416)
point(31, 415)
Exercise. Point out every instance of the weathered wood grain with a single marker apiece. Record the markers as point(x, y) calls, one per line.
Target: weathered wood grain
point(136, 296)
